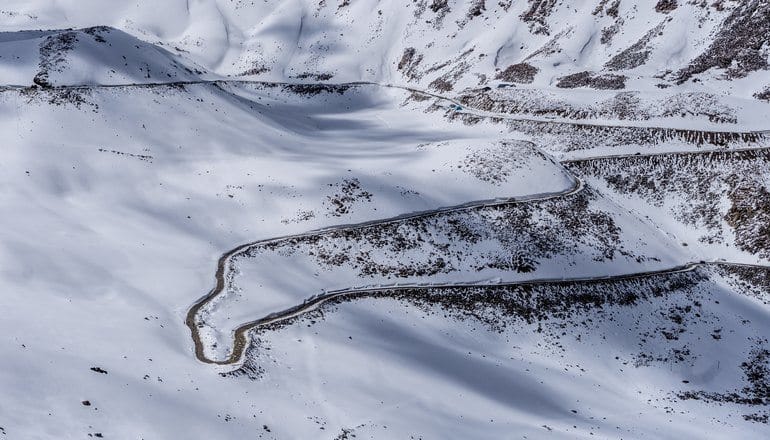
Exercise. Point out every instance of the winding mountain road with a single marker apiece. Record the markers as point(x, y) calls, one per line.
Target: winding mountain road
point(240, 335)
point(753, 135)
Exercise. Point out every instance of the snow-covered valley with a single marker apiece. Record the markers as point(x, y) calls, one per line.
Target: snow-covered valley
point(363, 219)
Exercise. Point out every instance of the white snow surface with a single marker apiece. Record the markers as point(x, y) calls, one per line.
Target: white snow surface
point(120, 190)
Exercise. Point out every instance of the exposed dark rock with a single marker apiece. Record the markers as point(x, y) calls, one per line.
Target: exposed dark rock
point(316, 76)
point(594, 81)
point(666, 6)
point(316, 89)
point(740, 46)
point(410, 62)
point(348, 193)
point(763, 95)
point(692, 185)
point(53, 55)
point(623, 106)
point(638, 53)
point(519, 73)
point(537, 15)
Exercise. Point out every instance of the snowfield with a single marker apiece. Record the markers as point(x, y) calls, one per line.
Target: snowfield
point(430, 219)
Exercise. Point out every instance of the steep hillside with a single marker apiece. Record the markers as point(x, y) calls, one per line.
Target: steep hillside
point(95, 55)
point(448, 45)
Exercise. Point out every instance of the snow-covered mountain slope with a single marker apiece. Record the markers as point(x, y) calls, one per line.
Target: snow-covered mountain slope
point(95, 55)
point(654, 357)
point(532, 240)
point(366, 219)
point(116, 204)
point(447, 45)
point(712, 200)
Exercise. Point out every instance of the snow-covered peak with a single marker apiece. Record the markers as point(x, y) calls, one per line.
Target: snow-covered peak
point(95, 55)
point(442, 44)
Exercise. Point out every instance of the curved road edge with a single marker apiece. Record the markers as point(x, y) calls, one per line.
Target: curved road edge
point(241, 337)
point(191, 318)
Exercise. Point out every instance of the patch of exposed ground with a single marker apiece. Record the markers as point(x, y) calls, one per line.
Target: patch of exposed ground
point(710, 192)
point(53, 55)
point(324, 76)
point(741, 46)
point(76, 97)
point(621, 106)
point(638, 53)
point(675, 306)
point(517, 237)
point(551, 46)
point(611, 10)
point(606, 81)
point(410, 63)
point(55, 48)
point(764, 94)
point(459, 67)
point(441, 9)
point(316, 89)
point(666, 6)
point(522, 73)
point(475, 9)
point(565, 137)
point(142, 157)
point(748, 280)
point(347, 194)
point(536, 16)
point(495, 164)
point(756, 370)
